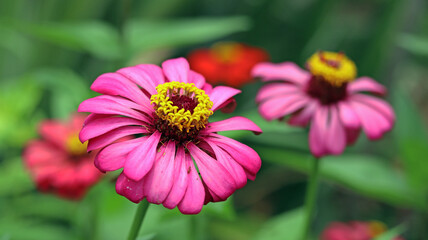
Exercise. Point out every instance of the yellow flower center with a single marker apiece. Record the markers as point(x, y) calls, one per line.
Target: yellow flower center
point(376, 228)
point(74, 146)
point(182, 105)
point(334, 68)
point(226, 52)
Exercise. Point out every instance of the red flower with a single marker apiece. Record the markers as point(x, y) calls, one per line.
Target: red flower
point(227, 63)
point(58, 162)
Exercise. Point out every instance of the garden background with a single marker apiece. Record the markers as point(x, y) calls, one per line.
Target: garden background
point(51, 51)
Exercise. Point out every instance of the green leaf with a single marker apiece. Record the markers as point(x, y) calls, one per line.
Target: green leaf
point(287, 226)
point(14, 178)
point(223, 210)
point(97, 38)
point(412, 139)
point(367, 175)
point(414, 44)
point(67, 90)
point(26, 229)
point(392, 233)
point(146, 35)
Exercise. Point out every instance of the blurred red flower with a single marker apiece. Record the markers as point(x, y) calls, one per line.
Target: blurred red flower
point(227, 63)
point(58, 162)
point(354, 231)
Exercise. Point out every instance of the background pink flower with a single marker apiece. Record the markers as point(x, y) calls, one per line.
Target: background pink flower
point(58, 162)
point(179, 160)
point(354, 230)
point(328, 98)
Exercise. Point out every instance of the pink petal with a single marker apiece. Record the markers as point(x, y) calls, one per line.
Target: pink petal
point(113, 157)
point(132, 190)
point(42, 153)
point(208, 88)
point(276, 89)
point(217, 178)
point(100, 126)
point(152, 73)
point(179, 182)
point(105, 105)
point(117, 84)
point(141, 77)
point(374, 123)
point(317, 132)
point(233, 123)
point(286, 71)
point(302, 118)
point(244, 155)
point(278, 107)
point(352, 135)
point(159, 180)
point(228, 106)
point(55, 132)
point(221, 94)
point(77, 121)
point(235, 170)
point(148, 76)
point(348, 116)
point(109, 137)
point(193, 199)
point(176, 70)
point(378, 104)
point(140, 160)
point(366, 84)
point(335, 140)
point(94, 116)
point(196, 78)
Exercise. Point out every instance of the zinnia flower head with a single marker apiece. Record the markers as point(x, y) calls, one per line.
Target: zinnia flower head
point(227, 63)
point(354, 230)
point(58, 162)
point(179, 160)
point(328, 97)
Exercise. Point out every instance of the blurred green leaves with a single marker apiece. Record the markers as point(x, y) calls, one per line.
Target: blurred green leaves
point(97, 38)
point(103, 41)
point(146, 35)
point(367, 175)
point(412, 140)
point(287, 226)
point(414, 44)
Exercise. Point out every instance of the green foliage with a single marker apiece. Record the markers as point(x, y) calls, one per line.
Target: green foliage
point(392, 233)
point(97, 38)
point(287, 226)
point(364, 174)
point(147, 35)
point(414, 44)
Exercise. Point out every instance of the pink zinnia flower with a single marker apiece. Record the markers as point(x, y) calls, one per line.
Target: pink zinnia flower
point(327, 97)
point(354, 231)
point(59, 162)
point(179, 160)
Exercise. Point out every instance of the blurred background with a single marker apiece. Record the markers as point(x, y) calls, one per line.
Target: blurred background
point(51, 51)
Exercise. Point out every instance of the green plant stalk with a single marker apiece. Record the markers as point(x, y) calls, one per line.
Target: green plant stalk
point(311, 195)
point(138, 219)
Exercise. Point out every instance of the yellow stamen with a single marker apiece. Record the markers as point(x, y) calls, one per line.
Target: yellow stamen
point(376, 228)
point(335, 68)
point(74, 146)
point(226, 51)
point(182, 118)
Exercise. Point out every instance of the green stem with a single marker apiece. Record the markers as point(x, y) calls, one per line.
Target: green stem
point(138, 219)
point(311, 195)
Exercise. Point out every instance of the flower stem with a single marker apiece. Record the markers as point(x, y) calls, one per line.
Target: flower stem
point(311, 195)
point(138, 219)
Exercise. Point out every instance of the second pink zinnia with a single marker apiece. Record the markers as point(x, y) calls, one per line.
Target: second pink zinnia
point(328, 98)
point(179, 160)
